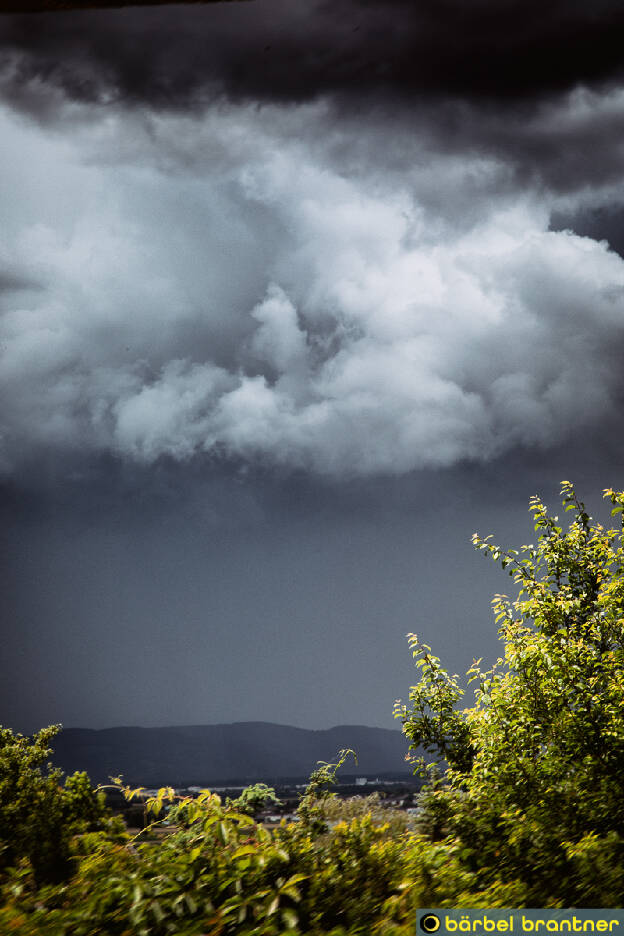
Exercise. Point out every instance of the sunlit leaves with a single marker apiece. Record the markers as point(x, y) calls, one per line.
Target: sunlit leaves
point(40, 810)
point(546, 730)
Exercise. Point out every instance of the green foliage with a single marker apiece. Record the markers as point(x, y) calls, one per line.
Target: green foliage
point(224, 874)
point(318, 791)
point(254, 799)
point(39, 813)
point(535, 765)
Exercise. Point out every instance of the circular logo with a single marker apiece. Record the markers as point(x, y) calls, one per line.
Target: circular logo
point(430, 923)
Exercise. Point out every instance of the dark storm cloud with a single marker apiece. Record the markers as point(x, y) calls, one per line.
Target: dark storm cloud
point(283, 51)
point(536, 88)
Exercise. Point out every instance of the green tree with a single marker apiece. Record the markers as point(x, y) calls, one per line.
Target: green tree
point(535, 765)
point(39, 813)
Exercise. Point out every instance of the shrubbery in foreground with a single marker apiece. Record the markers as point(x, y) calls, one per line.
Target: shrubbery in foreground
point(529, 811)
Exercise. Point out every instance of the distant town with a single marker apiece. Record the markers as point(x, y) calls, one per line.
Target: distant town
point(395, 792)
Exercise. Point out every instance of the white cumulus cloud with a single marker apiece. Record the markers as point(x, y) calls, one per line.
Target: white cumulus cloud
point(288, 307)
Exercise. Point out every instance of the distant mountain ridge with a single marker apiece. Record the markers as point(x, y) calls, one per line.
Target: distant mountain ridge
point(199, 755)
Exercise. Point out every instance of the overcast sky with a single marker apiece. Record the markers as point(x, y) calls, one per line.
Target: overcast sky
point(294, 297)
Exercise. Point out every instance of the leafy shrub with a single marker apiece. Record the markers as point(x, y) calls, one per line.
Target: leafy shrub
point(223, 874)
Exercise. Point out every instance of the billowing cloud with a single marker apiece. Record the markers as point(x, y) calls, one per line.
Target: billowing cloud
point(221, 287)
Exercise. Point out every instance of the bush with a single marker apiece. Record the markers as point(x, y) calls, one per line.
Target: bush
point(223, 874)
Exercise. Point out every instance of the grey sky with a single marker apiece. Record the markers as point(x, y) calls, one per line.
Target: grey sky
point(285, 317)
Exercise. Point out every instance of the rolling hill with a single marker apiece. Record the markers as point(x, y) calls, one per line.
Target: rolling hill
point(208, 754)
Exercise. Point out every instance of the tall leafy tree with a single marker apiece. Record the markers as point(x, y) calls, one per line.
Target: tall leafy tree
point(534, 767)
point(40, 810)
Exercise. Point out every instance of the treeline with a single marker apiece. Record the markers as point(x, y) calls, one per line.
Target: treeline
point(523, 804)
